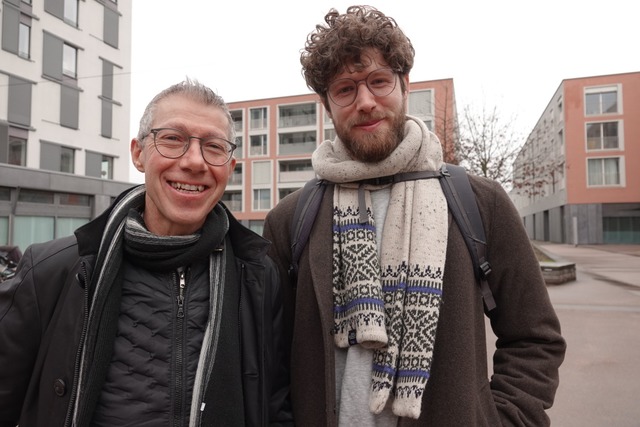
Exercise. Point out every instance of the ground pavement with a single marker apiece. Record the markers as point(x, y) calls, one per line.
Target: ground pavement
point(599, 314)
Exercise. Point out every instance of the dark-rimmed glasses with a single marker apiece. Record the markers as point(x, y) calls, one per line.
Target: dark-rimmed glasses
point(173, 143)
point(380, 82)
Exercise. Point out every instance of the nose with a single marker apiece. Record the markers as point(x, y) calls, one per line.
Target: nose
point(365, 100)
point(193, 159)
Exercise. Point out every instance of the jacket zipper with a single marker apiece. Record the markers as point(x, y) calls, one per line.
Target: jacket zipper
point(178, 390)
point(76, 370)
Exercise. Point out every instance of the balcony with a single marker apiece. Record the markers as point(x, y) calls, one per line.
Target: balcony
point(295, 176)
point(298, 148)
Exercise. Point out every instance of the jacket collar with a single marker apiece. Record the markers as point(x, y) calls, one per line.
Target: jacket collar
point(246, 243)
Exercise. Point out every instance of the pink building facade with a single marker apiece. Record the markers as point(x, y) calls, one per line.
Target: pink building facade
point(576, 179)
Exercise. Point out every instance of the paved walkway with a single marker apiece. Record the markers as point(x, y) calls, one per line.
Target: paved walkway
point(613, 263)
point(600, 317)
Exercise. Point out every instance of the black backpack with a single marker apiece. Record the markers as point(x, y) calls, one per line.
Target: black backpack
point(461, 201)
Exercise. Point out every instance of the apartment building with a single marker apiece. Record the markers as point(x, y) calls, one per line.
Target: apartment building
point(576, 179)
point(277, 136)
point(64, 114)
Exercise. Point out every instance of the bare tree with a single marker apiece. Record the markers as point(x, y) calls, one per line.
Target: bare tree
point(539, 168)
point(488, 144)
point(446, 127)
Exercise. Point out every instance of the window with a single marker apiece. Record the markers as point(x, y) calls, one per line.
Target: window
point(13, 145)
point(256, 225)
point(261, 173)
point(107, 98)
point(33, 229)
point(258, 145)
point(236, 176)
point(19, 105)
point(4, 230)
point(295, 171)
point(284, 192)
point(71, 12)
point(602, 136)
point(330, 134)
point(98, 165)
point(69, 60)
point(600, 101)
point(297, 142)
point(57, 158)
point(238, 126)
point(233, 200)
point(72, 199)
point(261, 199)
point(60, 59)
point(16, 31)
point(67, 10)
point(36, 196)
point(297, 115)
point(111, 26)
point(238, 123)
point(67, 157)
point(24, 40)
point(421, 103)
point(603, 172)
point(258, 118)
point(66, 226)
point(17, 151)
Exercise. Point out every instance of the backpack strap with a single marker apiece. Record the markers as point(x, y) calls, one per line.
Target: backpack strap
point(464, 208)
point(303, 219)
point(461, 201)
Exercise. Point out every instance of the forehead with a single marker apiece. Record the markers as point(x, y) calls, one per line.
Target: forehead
point(186, 110)
point(369, 60)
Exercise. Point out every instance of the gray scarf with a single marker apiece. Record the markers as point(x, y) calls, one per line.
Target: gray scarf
point(391, 302)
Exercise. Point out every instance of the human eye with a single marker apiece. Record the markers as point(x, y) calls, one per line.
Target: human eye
point(216, 146)
point(381, 78)
point(171, 137)
point(342, 88)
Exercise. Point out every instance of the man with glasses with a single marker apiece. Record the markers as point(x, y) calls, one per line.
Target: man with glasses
point(164, 310)
point(388, 325)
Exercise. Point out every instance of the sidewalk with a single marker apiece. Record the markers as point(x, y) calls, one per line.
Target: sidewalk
point(599, 314)
point(613, 263)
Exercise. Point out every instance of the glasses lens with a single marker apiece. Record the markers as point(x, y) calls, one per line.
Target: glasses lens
point(381, 82)
point(343, 91)
point(171, 143)
point(216, 151)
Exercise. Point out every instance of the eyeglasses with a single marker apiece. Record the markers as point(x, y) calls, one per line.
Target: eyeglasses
point(173, 143)
point(380, 82)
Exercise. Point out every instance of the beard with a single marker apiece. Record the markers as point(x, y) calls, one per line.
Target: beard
point(377, 146)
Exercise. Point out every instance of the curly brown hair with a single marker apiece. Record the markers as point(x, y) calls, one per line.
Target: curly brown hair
point(344, 40)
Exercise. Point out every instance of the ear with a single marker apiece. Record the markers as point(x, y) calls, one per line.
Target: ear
point(137, 154)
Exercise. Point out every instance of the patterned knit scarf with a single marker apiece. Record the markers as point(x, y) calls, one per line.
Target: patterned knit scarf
point(389, 303)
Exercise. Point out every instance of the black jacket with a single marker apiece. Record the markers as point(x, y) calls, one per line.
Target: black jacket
point(43, 314)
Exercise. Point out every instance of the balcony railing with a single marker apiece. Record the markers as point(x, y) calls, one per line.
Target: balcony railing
point(295, 176)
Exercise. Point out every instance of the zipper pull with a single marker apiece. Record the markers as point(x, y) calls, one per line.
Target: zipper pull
point(180, 298)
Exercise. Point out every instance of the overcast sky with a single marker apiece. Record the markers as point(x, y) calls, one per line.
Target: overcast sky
point(508, 54)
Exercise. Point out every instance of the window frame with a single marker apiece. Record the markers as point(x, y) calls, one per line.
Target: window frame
point(600, 91)
point(603, 172)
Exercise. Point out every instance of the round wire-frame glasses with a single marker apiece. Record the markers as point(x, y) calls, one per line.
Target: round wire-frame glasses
point(174, 143)
point(380, 82)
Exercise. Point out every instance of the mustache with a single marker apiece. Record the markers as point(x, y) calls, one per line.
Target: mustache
point(365, 118)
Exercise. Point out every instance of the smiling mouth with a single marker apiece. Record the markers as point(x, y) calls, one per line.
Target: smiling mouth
point(187, 187)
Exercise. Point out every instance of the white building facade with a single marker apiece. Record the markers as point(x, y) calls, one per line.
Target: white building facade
point(65, 89)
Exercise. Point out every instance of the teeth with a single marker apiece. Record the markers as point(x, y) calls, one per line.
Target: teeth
point(187, 187)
